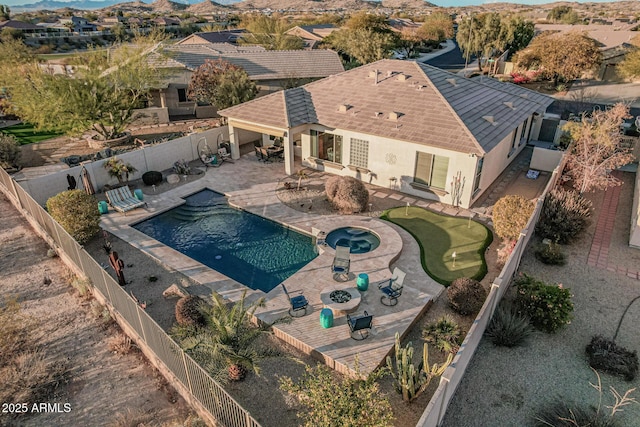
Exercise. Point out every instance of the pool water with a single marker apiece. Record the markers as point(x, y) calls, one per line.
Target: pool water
point(255, 251)
point(359, 240)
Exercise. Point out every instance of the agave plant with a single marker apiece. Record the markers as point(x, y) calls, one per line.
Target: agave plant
point(444, 334)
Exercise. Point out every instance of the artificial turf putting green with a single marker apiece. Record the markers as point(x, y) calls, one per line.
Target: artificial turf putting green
point(441, 235)
point(25, 133)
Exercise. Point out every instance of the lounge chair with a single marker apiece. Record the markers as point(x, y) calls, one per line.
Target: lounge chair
point(392, 288)
point(361, 325)
point(298, 303)
point(122, 200)
point(341, 263)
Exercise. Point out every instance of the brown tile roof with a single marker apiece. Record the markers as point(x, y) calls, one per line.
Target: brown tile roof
point(433, 107)
point(260, 64)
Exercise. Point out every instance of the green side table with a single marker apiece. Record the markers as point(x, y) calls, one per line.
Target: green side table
point(138, 194)
point(103, 208)
point(363, 282)
point(326, 318)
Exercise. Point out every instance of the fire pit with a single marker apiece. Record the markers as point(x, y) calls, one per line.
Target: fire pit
point(340, 296)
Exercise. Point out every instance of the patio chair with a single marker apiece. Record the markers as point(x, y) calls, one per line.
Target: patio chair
point(259, 154)
point(341, 263)
point(298, 303)
point(122, 200)
point(392, 288)
point(360, 326)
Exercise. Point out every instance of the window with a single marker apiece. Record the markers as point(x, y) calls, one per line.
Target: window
point(326, 146)
point(431, 170)
point(476, 179)
point(359, 155)
point(182, 95)
point(523, 132)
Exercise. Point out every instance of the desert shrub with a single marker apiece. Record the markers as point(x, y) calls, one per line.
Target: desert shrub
point(606, 356)
point(508, 327)
point(152, 177)
point(504, 252)
point(444, 334)
point(564, 215)
point(548, 306)
point(181, 167)
point(121, 344)
point(188, 311)
point(9, 152)
point(550, 254)
point(510, 216)
point(466, 295)
point(77, 212)
point(561, 413)
point(332, 402)
point(346, 194)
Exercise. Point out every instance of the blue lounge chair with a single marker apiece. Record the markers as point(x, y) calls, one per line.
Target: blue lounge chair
point(361, 325)
point(298, 303)
point(392, 288)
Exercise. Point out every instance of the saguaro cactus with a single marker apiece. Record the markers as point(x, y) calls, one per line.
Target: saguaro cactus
point(409, 380)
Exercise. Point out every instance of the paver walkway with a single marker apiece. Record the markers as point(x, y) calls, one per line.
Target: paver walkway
point(599, 252)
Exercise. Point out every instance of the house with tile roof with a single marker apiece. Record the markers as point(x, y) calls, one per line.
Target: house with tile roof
point(272, 70)
point(222, 36)
point(312, 34)
point(401, 124)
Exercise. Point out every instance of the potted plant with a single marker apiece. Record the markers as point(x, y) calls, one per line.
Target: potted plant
point(118, 169)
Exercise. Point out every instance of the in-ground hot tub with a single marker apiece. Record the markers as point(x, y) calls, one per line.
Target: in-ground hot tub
point(358, 239)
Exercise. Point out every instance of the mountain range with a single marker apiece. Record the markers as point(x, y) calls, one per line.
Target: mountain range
point(95, 4)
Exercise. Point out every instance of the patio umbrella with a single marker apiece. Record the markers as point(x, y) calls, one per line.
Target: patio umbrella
point(86, 181)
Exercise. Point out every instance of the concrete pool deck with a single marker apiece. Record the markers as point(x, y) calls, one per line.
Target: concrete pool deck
point(255, 192)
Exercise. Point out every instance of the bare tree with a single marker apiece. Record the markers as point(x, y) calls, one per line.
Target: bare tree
point(596, 149)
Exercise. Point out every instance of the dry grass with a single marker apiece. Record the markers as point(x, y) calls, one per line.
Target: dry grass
point(121, 344)
point(25, 372)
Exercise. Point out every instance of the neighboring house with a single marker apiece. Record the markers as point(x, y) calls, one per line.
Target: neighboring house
point(166, 22)
point(25, 27)
point(271, 70)
point(78, 24)
point(226, 36)
point(405, 125)
point(312, 34)
point(614, 42)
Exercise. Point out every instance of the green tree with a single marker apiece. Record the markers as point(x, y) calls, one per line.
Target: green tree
point(9, 152)
point(101, 95)
point(8, 34)
point(630, 65)
point(77, 212)
point(564, 14)
point(220, 83)
point(5, 12)
point(269, 32)
point(480, 36)
point(436, 28)
point(596, 149)
point(365, 38)
point(350, 402)
point(516, 33)
point(561, 56)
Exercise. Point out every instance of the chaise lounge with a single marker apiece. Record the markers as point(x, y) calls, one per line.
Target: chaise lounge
point(122, 200)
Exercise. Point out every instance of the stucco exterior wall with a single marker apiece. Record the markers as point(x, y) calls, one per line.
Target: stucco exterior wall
point(391, 164)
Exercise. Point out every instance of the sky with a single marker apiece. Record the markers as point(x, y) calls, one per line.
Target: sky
point(443, 3)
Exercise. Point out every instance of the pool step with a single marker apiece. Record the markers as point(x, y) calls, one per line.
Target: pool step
point(193, 213)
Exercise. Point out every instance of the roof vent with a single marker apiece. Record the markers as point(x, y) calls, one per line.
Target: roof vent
point(419, 87)
point(374, 74)
point(402, 77)
point(510, 105)
point(390, 73)
point(394, 116)
point(377, 114)
point(490, 119)
point(452, 82)
point(343, 108)
point(524, 95)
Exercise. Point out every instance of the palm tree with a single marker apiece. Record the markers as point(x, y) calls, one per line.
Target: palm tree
point(228, 339)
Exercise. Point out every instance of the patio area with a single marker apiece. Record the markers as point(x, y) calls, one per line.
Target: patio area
point(256, 193)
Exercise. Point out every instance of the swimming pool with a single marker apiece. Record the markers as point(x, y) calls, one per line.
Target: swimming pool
point(358, 239)
point(255, 251)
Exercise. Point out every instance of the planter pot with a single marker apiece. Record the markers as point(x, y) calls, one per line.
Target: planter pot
point(99, 144)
